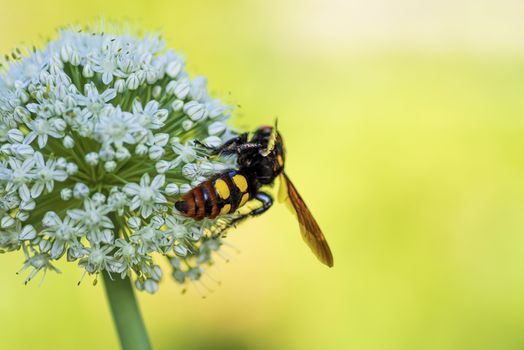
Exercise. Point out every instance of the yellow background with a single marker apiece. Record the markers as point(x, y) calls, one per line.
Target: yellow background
point(404, 126)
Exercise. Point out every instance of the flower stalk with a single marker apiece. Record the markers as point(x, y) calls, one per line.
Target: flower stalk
point(126, 314)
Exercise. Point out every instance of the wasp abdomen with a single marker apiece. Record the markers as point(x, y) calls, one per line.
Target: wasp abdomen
point(222, 194)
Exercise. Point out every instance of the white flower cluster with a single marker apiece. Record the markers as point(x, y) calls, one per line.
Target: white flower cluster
point(96, 138)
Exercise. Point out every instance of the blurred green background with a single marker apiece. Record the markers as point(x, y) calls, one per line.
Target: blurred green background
point(404, 126)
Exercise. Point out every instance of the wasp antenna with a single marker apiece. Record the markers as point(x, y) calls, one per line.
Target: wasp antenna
point(271, 142)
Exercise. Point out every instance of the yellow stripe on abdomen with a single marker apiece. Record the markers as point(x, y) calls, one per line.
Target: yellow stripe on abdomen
point(222, 189)
point(225, 209)
point(240, 182)
point(244, 199)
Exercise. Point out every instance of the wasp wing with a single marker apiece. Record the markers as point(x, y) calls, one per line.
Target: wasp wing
point(309, 228)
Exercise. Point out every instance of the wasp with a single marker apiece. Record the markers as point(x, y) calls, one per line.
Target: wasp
point(260, 161)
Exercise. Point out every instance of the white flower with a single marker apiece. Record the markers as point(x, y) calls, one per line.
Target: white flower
point(117, 201)
point(15, 136)
point(177, 105)
point(93, 101)
point(38, 262)
point(91, 158)
point(187, 124)
point(68, 142)
point(42, 129)
point(71, 168)
point(216, 128)
point(132, 82)
point(27, 233)
point(62, 232)
point(213, 141)
point(66, 194)
point(186, 152)
point(110, 166)
point(95, 132)
point(117, 128)
point(127, 252)
point(45, 174)
point(181, 88)
point(146, 195)
point(80, 190)
point(196, 111)
point(150, 116)
point(107, 66)
point(147, 238)
point(21, 150)
point(176, 228)
point(162, 166)
point(184, 188)
point(7, 221)
point(97, 258)
point(171, 189)
point(19, 173)
point(191, 171)
point(173, 68)
point(9, 237)
point(93, 221)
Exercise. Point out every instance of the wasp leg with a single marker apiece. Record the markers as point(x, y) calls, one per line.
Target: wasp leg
point(236, 145)
point(249, 145)
point(228, 147)
point(267, 202)
point(262, 197)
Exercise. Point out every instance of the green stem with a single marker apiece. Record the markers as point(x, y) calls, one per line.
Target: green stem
point(126, 315)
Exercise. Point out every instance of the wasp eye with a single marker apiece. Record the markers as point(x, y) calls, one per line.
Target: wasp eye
point(182, 206)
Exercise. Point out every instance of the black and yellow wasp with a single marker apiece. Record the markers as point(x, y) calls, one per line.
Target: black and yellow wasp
point(260, 160)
